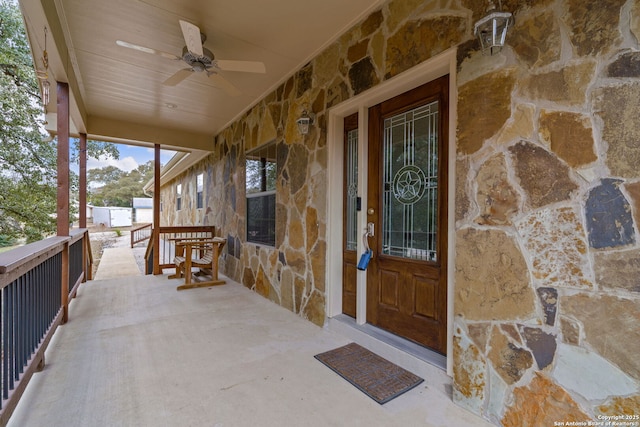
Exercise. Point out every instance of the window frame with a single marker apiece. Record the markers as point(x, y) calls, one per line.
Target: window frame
point(179, 196)
point(267, 190)
point(200, 191)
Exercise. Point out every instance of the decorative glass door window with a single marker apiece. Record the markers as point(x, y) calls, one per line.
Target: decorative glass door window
point(410, 182)
point(351, 171)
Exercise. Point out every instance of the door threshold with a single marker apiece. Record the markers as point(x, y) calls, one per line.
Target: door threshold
point(429, 365)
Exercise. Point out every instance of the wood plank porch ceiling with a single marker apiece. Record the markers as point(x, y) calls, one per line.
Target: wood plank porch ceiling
point(117, 93)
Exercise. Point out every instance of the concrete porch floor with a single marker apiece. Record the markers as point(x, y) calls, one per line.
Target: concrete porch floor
point(138, 353)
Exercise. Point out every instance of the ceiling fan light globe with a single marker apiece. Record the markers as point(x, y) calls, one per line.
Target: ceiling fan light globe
point(198, 67)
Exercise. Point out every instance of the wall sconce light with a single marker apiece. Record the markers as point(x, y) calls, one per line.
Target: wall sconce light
point(43, 76)
point(45, 92)
point(304, 122)
point(492, 29)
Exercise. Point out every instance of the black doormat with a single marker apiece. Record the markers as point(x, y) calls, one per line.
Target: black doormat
point(376, 377)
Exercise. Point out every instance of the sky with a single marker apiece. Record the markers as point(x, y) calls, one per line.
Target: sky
point(130, 158)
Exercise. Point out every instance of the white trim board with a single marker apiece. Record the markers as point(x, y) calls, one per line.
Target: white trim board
point(442, 64)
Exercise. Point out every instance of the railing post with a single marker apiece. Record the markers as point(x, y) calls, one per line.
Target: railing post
point(85, 257)
point(156, 210)
point(88, 264)
point(82, 183)
point(64, 286)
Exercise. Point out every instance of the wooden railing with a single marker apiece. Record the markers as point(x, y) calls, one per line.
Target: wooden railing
point(141, 233)
point(36, 283)
point(167, 238)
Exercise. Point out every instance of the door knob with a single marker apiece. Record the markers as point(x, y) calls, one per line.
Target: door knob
point(370, 211)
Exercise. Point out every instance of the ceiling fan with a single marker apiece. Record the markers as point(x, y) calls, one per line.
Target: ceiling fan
point(200, 59)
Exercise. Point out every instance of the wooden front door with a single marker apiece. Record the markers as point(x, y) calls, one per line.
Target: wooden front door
point(350, 203)
point(407, 203)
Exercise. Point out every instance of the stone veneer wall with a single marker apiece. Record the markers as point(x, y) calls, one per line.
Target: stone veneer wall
point(547, 256)
point(547, 282)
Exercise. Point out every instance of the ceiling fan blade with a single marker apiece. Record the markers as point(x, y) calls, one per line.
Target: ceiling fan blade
point(244, 66)
point(192, 38)
point(224, 84)
point(178, 77)
point(147, 50)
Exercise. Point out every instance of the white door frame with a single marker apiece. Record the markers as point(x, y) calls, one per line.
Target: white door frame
point(443, 64)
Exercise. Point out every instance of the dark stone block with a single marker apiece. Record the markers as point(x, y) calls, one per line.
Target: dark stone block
point(627, 65)
point(282, 152)
point(542, 344)
point(511, 331)
point(275, 110)
point(297, 167)
point(591, 32)
point(363, 76)
point(543, 177)
point(318, 103)
point(282, 258)
point(609, 220)
point(372, 23)
point(282, 214)
point(466, 50)
point(280, 91)
point(358, 51)
point(248, 280)
point(288, 88)
point(304, 79)
point(238, 248)
point(231, 245)
point(517, 361)
point(337, 93)
point(549, 299)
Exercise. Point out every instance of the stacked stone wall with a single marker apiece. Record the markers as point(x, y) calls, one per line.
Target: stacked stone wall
point(547, 282)
point(547, 206)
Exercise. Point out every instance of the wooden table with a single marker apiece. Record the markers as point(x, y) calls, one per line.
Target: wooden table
point(188, 247)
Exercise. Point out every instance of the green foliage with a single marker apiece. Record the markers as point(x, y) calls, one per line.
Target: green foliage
point(119, 187)
point(118, 232)
point(28, 156)
point(6, 241)
point(95, 149)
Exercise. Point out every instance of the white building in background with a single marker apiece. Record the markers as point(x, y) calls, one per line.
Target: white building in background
point(111, 217)
point(142, 210)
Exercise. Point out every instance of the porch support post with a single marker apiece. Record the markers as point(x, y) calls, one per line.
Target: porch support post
point(83, 181)
point(82, 199)
point(63, 191)
point(156, 210)
point(63, 160)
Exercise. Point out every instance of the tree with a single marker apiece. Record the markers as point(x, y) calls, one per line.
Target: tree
point(28, 155)
point(119, 187)
point(105, 175)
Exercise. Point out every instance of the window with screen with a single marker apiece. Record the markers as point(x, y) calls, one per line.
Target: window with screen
point(199, 191)
point(261, 195)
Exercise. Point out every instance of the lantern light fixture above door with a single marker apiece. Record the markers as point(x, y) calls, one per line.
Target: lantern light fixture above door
point(304, 122)
point(492, 29)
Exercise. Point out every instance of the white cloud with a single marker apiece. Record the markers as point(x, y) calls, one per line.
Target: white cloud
point(165, 155)
point(126, 164)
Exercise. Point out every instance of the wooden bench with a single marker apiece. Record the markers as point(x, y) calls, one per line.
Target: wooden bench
point(201, 253)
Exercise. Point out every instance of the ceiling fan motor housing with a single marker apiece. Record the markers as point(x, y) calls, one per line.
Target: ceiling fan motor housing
point(198, 63)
